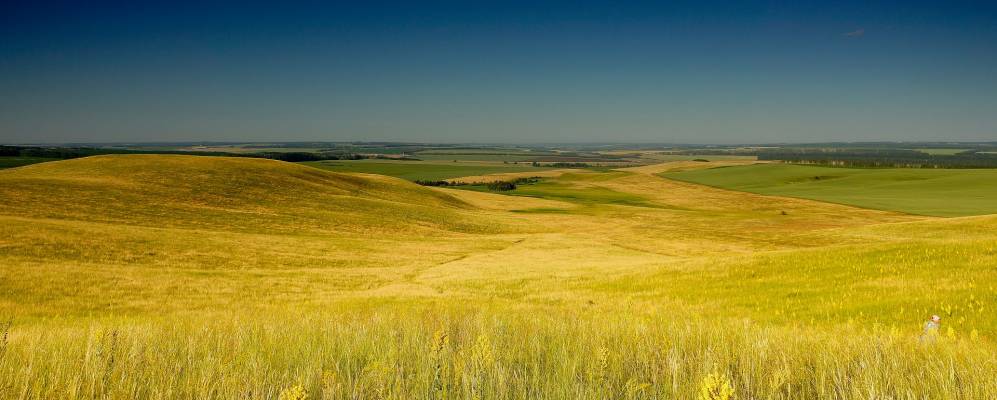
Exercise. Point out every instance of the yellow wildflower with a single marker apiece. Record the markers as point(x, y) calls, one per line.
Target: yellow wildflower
point(716, 386)
point(296, 392)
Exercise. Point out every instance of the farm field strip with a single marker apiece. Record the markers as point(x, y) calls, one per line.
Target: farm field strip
point(935, 192)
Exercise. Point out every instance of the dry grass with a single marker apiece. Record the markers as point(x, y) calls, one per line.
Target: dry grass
point(184, 277)
point(508, 176)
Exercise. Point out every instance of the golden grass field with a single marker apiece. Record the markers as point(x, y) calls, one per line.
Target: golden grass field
point(160, 277)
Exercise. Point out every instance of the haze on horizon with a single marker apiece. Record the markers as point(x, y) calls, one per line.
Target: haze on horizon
point(692, 72)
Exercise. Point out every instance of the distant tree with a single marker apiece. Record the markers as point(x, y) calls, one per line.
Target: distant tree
point(569, 165)
point(501, 186)
point(435, 183)
point(879, 158)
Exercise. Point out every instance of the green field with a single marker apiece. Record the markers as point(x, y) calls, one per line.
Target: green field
point(937, 192)
point(11, 162)
point(158, 276)
point(663, 157)
point(417, 170)
point(941, 151)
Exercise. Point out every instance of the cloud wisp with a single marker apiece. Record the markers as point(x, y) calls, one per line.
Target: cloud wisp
point(856, 33)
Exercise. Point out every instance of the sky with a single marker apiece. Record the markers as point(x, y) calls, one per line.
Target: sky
point(498, 72)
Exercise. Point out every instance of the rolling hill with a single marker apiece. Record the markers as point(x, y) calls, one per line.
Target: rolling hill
point(127, 277)
point(242, 194)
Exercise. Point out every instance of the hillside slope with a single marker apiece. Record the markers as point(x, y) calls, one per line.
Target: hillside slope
point(590, 284)
point(223, 193)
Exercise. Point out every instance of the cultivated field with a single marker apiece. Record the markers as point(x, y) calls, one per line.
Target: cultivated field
point(156, 276)
point(938, 192)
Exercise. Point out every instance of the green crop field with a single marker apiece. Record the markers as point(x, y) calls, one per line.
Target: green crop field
point(159, 276)
point(476, 157)
point(937, 192)
point(417, 170)
point(941, 151)
point(662, 157)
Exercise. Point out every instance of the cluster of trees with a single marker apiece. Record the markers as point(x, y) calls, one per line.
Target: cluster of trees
point(438, 183)
point(493, 185)
point(501, 186)
point(881, 158)
point(77, 152)
point(561, 164)
point(9, 151)
point(569, 165)
point(298, 156)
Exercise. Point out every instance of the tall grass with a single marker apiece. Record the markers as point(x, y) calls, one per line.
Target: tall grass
point(450, 352)
point(164, 278)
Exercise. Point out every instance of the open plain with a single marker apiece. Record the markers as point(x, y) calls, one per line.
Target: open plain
point(164, 276)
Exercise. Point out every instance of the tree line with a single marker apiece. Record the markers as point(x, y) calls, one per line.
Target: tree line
point(496, 185)
point(77, 152)
point(881, 158)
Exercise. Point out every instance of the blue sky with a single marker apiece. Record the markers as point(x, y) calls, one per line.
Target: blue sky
point(691, 72)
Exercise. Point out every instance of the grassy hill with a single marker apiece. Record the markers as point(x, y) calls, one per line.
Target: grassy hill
point(249, 195)
point(938, 192)
point(128, 277)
